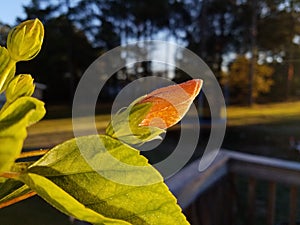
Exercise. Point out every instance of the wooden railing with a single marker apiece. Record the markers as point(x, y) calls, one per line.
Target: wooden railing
point(215, 196)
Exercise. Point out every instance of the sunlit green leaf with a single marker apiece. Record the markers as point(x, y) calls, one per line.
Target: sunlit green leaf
point(92, 184)
point(14, 119)
point(7, 68)
point(65, 202)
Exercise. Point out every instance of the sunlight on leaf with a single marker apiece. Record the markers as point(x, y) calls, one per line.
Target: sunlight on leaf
point(57, 197)
point(66, 167)
point(7, 69)
point(14, 119)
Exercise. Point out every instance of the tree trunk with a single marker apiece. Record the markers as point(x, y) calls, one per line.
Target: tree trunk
point(253, 53)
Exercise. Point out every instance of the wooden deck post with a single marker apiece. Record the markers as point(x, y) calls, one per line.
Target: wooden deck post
point(293, 205)
point(271, 203)
point(251, 200)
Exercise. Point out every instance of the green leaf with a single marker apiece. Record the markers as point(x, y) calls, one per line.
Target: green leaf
point(11, 189)
point(125, 125)
point(7, 69)
point(14, 119)
point(57, 197)
point(92, 184)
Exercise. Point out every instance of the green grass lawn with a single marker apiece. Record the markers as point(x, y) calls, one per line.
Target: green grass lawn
point(261, 129)
point(50, 132)
point(264, 114)
point(264, 129)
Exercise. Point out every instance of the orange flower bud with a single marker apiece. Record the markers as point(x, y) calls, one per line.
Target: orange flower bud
point(170, 104)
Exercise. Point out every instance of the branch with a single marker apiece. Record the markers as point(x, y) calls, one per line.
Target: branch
point(14, 174)
point(33, 153)
point(17, 199)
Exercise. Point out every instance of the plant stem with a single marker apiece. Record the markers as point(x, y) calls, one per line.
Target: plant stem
point(9, 174)
point(17, 199)
point(33, 153)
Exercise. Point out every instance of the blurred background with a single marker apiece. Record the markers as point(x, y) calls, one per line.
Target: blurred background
point(252, 46)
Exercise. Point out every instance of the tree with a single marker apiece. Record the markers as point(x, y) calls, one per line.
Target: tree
point(65, 55)
point(132, 21)
point(218, 27)
point(4, 29)
point(238, 82)
point(211, 28)
point(277, 28)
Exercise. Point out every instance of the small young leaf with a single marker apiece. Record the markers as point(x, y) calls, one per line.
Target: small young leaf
point(7, 69)
point(14, 119)
point(12, 189)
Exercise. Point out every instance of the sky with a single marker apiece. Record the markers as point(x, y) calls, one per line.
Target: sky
point(11, 9)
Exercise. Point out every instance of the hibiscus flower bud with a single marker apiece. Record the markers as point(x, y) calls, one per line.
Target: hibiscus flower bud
point(25, 40)
point(170, 104)
point(148, 117)
point(21, 85)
